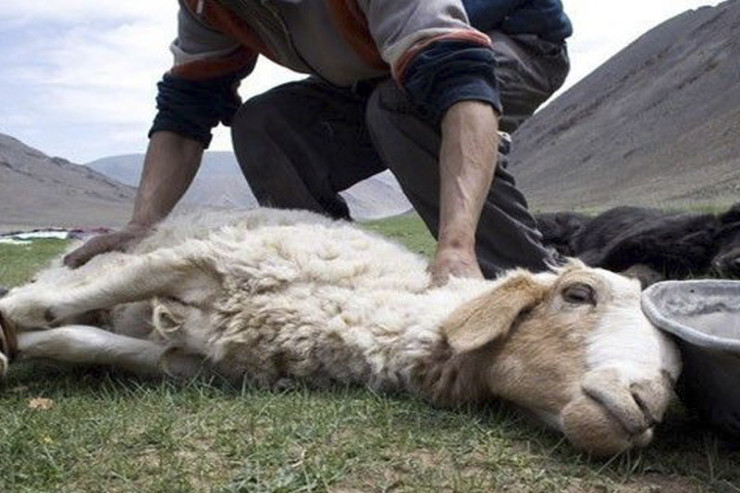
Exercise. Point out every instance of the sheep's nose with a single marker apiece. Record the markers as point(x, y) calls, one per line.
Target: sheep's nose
point(3, 291)
point(638, 405)
point(615, 413)
point(592, 428)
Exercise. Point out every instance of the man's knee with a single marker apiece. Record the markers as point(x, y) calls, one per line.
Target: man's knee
point(389, 105)
point(254, 117)
point(250, 133)
point(529, 70)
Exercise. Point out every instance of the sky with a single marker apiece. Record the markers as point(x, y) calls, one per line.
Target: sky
point(79, 80)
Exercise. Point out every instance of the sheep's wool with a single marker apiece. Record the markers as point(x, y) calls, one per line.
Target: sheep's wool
point(303, 297)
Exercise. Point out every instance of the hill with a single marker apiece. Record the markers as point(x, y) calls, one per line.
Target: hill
point(39, 190)
point(220, 183)
point(658, 124)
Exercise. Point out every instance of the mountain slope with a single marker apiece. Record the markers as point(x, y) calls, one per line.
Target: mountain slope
point(38, 190)
point(657, 125)
point(220, 183)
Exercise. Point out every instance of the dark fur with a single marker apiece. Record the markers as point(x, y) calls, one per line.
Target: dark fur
point(677, 245)
point(560, 228)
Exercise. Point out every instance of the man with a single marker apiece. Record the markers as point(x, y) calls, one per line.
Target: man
point(405, 85)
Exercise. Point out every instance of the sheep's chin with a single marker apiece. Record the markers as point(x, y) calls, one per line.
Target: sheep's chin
point(591, 428)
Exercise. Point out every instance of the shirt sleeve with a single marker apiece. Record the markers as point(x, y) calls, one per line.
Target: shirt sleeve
point(200, 90)
point(435, 55)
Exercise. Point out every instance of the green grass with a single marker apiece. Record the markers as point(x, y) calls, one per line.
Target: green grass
point(407, 229)
point(19, 262)
point(108, 432)
point(685, 206)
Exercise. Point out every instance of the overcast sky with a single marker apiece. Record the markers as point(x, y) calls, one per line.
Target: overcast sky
point(77, 77)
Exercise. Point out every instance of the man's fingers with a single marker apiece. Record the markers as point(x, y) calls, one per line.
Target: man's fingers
point(446, 265)
point(71, 260)
point(439, 276)
point(81, 255)
point(96, 246)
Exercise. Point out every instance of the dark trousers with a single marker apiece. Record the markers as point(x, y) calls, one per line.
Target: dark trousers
point(301, 143)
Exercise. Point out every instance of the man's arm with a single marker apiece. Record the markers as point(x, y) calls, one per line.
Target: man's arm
point(193, 97)
point(447, 70)
point(468, 156)
point(170, 165)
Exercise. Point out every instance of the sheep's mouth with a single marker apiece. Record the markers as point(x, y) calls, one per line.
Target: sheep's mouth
point(8, 338)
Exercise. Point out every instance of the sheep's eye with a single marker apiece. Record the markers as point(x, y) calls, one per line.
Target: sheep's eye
point(580, 293)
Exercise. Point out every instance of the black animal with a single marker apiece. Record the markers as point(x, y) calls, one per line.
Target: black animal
point(560, 228)
point(675, 245)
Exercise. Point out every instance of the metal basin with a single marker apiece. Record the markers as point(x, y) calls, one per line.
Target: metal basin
point(704, 315)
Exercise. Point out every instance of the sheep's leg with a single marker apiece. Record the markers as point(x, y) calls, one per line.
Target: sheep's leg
point(91, 345)
point(84, 344)
point(167, 273)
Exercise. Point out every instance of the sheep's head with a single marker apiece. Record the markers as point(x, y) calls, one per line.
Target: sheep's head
point(574, 348)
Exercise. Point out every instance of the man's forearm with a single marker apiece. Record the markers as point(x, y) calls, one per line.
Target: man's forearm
point(467, 164)
point(169, 168)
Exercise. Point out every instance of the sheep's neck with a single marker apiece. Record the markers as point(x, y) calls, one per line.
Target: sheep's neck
point(449, 379)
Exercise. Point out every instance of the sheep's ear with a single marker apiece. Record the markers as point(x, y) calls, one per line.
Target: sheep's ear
point(165, 320)
point(491, 315)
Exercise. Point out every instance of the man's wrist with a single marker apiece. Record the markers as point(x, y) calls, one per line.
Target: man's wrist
point(456, 235)
point(138, 226)
point(462, 246)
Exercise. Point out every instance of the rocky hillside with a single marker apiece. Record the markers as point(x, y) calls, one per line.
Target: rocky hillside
point(42, 191)
point(38, 190)
point(658, 124)
point(220, 183)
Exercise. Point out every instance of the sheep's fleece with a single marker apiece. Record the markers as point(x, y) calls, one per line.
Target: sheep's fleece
point(283, 296)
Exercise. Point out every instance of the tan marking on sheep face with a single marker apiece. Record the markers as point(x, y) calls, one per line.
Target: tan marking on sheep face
point(575, 349)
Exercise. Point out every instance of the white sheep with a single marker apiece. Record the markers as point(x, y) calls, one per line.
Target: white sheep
point(284, 296)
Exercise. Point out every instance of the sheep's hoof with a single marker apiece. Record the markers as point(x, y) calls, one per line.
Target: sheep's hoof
point(8, 343)
point(179, 365)
point(3, 366)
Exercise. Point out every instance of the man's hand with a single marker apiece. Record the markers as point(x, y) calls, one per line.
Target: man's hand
point(169, 167)
point(449, 261)
point(109, 242)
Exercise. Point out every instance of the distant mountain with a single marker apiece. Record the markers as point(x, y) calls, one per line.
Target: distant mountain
point(220, 183)
point(377, 197)
point(38, 190)
point(658, 124)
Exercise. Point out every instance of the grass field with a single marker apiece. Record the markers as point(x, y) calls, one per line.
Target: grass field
point(101, 431)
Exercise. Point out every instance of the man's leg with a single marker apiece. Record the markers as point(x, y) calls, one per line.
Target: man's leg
point(301, 143)
point(507, 235)
point(528, 70)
